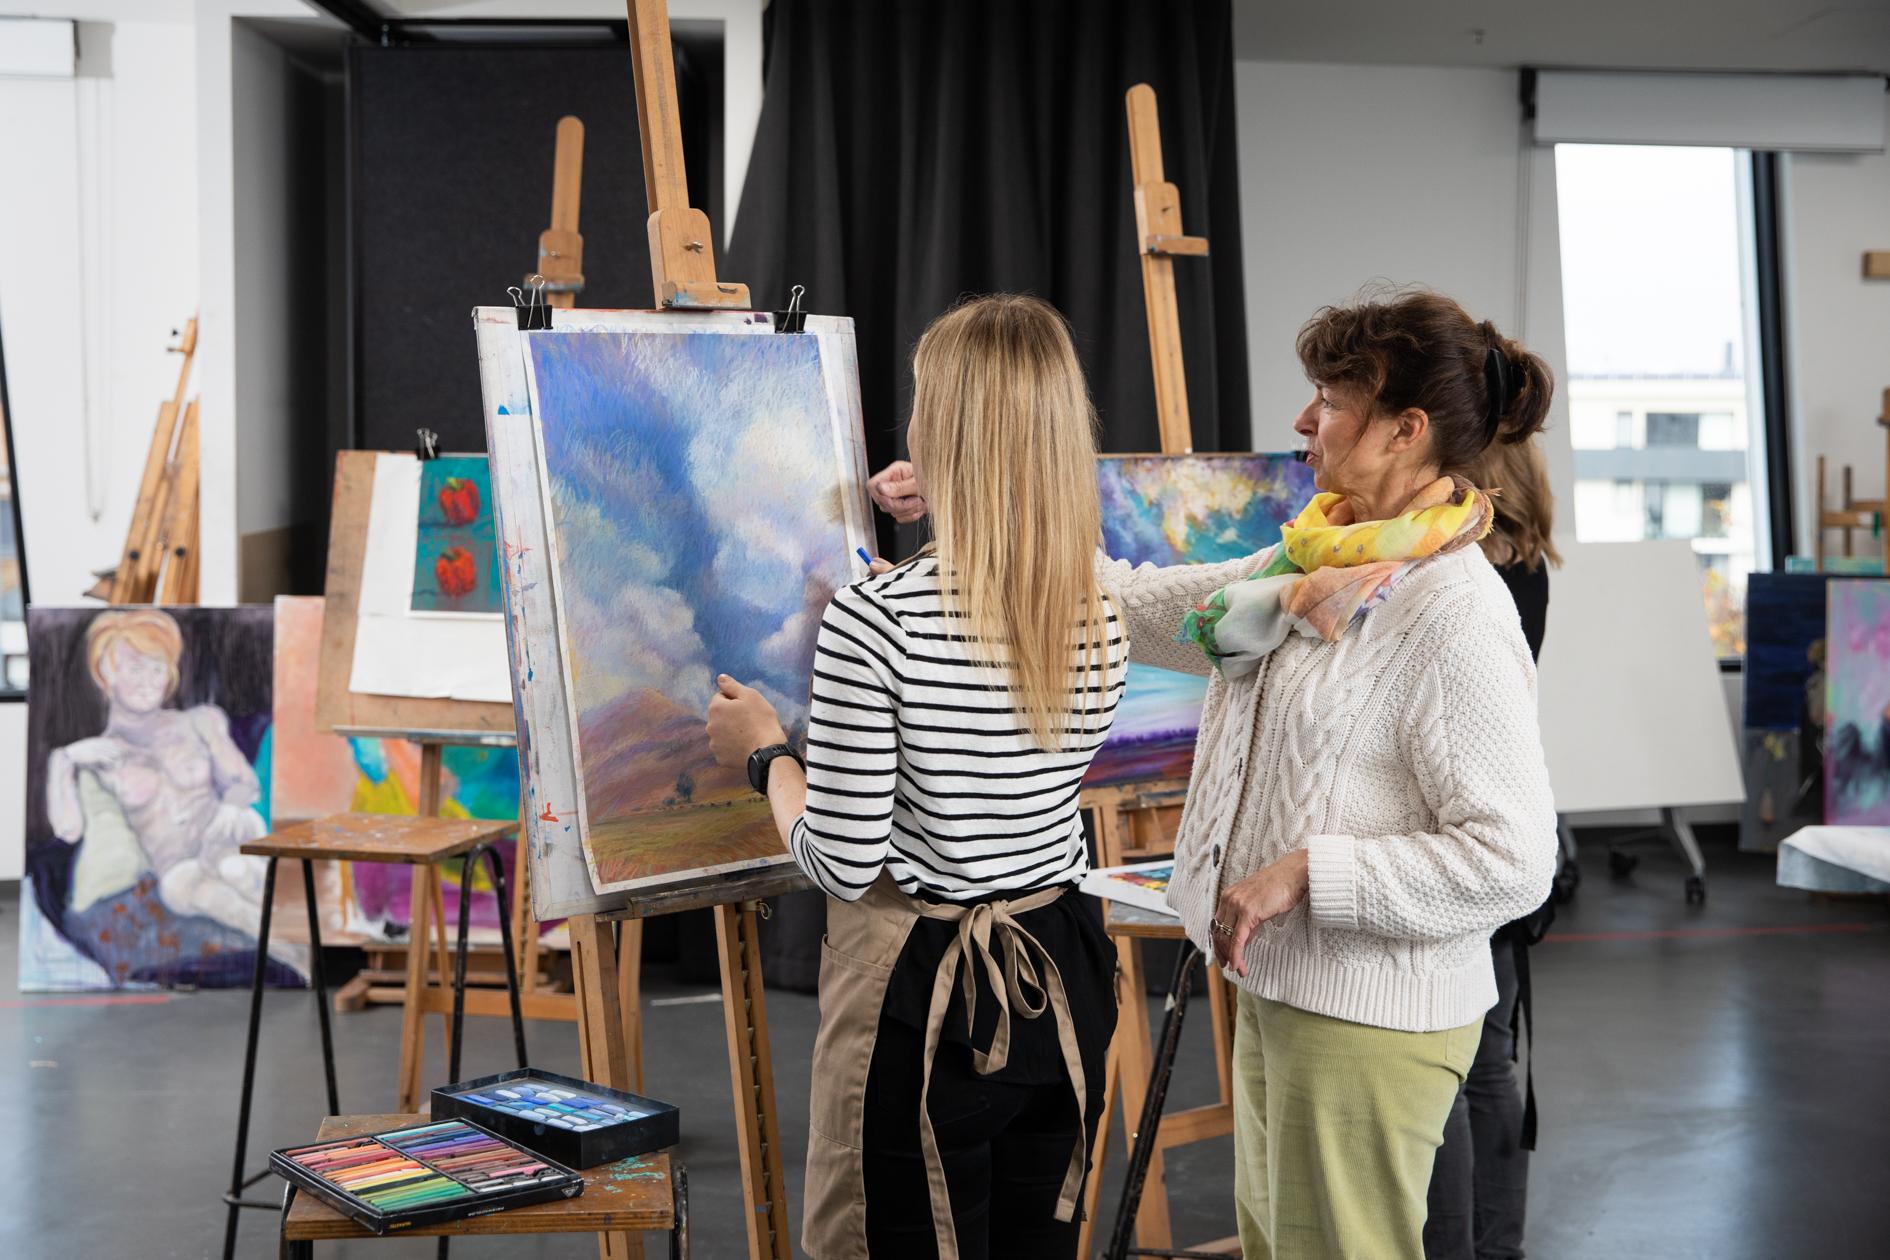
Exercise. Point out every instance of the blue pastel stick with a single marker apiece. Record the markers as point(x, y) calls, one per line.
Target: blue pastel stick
point(864, 558)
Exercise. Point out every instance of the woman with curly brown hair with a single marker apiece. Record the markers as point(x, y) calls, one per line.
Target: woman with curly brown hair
point(1369, 800)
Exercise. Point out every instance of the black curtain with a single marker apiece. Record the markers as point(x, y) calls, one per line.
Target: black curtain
point(911, 152)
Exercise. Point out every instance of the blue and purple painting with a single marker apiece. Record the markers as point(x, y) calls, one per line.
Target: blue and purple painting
point(1183, 509)
point(1857, 704)
point(456, 553)
point(698, 489)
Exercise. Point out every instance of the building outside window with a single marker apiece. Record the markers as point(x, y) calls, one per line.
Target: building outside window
point(1657, 264)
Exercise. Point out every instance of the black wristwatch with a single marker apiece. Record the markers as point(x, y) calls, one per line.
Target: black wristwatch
point(760, 759)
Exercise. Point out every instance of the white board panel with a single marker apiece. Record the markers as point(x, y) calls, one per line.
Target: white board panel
point(1633, 712)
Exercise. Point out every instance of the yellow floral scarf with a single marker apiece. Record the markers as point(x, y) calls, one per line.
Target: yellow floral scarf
point(1329, 569)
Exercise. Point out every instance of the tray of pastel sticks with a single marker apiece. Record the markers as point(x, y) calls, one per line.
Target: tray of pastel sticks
point(573, 1121)
point(424, 1174)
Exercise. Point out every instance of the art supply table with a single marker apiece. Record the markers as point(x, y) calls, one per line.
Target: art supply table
point(644, 1192)
point(421, 842)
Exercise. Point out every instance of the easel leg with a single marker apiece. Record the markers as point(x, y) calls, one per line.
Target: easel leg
point(443, 963)
point(630, 996)
point(413, 1034)
point(751, 1071)
point(600, 1036)
point(1221, 1009)
point(1152, 1229)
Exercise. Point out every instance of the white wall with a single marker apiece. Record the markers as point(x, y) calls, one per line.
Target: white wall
point(97, 266)
point(1836, 207)
point(1360, 175)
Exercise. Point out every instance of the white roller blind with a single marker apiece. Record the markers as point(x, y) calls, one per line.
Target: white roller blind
point(1788, 112)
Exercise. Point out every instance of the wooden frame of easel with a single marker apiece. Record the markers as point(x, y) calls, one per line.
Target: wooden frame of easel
point(159, 562)
point(682, 269)
point(1853, 513)
point(1137, 821)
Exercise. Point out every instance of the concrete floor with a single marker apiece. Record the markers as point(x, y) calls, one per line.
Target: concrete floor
point(1712, 1081)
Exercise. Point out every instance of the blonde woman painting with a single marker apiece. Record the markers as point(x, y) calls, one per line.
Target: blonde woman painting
point(160, 790)
point(966, 990)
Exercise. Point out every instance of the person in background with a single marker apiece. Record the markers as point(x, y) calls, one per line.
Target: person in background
point(1480, 1185)
point(967, 994)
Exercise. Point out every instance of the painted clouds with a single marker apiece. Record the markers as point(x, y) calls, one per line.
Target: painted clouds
point(695, 482)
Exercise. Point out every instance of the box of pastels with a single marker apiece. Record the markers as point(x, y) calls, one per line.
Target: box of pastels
point(424, 1174)
point(561, 1117)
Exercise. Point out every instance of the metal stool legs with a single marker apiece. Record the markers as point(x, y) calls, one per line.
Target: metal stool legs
point(233, 1197)
point(505, 942)
point(1148, 1126)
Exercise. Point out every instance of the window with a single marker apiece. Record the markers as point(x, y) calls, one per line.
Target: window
point(1657, 286)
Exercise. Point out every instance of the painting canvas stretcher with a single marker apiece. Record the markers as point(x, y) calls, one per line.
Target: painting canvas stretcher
point(678, 494)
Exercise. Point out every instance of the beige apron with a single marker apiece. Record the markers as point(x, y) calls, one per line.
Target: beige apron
point(863, 943)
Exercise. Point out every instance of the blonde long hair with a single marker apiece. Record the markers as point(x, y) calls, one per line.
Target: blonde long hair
point(1525, 508)
point(1004, 438)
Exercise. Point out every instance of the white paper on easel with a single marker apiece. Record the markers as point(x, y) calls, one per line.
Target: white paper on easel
point(398, 653)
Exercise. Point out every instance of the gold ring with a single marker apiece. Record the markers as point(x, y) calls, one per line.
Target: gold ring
point(1221, 929)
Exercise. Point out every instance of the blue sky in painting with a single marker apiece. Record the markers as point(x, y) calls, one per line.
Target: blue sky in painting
point(1189, 509)
point(699, 529)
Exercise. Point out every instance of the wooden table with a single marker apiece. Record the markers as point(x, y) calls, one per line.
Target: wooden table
point(422, 842)
point(645, 1192)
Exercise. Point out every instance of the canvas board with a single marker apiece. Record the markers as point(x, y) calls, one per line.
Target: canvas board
point(317, 773)
point(1857, 703)
point(148, 767)
point(339, 704)
point(401, 651)
point(1632, 710)
point(678, 494)
point(1182, 509)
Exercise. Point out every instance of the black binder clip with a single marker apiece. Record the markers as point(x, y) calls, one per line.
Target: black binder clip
point(529, 303)
point(427, 444)
point(793, 319)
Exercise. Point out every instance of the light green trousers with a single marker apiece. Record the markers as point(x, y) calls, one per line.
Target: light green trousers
point(1336, 1126)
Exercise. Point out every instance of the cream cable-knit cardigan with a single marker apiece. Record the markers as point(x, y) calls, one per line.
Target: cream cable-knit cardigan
point(1405, 758)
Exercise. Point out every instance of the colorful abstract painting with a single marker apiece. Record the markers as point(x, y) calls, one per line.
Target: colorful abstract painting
point(1857, 704)
point(148, 767)
point(456, 556)
point(318, 774)
point(699, 488)
point(1183, 509)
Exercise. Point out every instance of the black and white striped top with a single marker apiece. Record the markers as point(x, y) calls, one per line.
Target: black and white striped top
point(918, 762)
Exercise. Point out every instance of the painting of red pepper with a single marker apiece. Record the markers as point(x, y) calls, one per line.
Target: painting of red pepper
point(456, 559)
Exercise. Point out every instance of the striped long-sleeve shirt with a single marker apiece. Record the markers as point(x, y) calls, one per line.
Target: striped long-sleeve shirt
point(918, 762)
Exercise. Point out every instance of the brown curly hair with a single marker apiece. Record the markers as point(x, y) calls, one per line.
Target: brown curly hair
point(1422, 350)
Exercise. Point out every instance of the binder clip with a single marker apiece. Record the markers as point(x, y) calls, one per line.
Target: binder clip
point(529, 302)
point(793, 319)
point(427, 445)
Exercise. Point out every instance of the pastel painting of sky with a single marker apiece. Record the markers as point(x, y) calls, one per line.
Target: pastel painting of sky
point(697, 496)
point(1183, 509)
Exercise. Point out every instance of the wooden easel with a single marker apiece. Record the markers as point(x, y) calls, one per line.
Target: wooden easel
point(159, 562)
point(1854, 513)
point(1134, 822)
point(560, 247)
point(682, 270)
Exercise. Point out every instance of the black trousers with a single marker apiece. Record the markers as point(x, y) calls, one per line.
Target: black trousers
point(1005, 1148)
point(1480, 1183)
